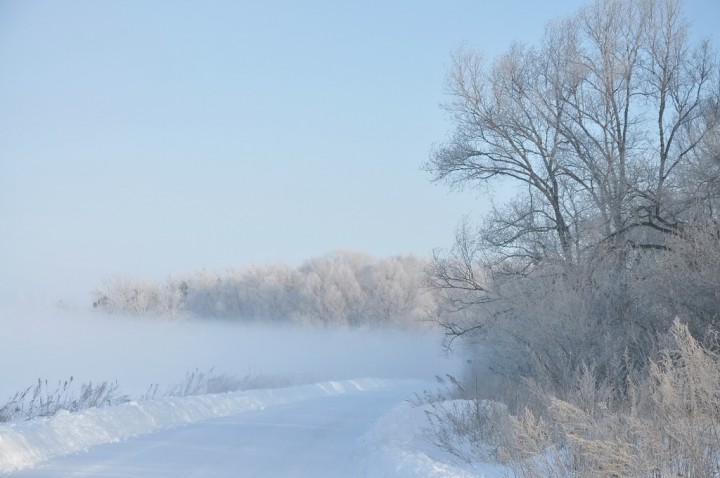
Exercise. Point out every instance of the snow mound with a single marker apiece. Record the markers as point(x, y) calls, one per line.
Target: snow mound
point(25, 444)
point(398, 447)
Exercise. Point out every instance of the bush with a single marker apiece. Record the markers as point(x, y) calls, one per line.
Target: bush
point(43, 400)
point(666, 425)
point(463, 425)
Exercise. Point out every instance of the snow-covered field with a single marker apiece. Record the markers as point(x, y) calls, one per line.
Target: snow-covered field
point(337, 426)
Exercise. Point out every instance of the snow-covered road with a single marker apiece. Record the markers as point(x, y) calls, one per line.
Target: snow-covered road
point(349, 428)
point(317, 437)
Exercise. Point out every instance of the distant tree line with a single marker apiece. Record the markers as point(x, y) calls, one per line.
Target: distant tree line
point(346, 288)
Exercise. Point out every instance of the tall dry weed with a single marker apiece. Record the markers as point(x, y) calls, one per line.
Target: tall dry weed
point(667, 425)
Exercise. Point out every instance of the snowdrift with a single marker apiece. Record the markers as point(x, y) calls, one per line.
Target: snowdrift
point(396, 447)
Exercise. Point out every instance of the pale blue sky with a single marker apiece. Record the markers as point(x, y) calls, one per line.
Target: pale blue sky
point(156, 138)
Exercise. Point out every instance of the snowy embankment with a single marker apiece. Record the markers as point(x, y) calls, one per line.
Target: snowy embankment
point(394, 446)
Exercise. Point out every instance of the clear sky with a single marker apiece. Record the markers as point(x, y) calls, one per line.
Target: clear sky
point(156, 138)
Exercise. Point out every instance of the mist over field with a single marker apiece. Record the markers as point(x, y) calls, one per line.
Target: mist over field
point(55, 345)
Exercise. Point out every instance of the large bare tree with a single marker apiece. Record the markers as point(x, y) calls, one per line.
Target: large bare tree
point(592, 126)
point(602, 129)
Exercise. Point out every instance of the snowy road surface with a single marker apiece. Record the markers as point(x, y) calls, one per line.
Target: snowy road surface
point(308, 438)
point(349, 429)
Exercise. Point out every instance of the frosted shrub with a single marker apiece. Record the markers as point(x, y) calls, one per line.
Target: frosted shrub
point(685, 398)
point(44, 400)
point(463, 425)
point(470, 429)
point(533, 451)
point(667, 426)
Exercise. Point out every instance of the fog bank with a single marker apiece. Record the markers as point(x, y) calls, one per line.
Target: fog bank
point(139, 352)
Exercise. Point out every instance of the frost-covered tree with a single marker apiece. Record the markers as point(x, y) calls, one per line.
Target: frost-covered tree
point(593, 126)
point(607, 131)
point(331, 290)
point(341, 288)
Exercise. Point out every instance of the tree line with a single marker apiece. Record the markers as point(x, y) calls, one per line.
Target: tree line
point(342, 288)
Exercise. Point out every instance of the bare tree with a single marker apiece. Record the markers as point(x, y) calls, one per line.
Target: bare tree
point(502, 131)
point(592, 126)
point(607, 131)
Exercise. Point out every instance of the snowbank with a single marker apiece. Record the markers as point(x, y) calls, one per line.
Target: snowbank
point(26, 444)
point(396, 446)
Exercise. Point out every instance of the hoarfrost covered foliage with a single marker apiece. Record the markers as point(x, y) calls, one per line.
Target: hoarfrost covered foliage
point(44, 399)
point(668, 425)
point(609, 128)
point(569, 294)
point(345, 288)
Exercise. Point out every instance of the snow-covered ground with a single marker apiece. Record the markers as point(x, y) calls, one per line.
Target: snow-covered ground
point(349, 428)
